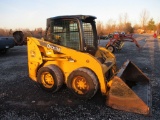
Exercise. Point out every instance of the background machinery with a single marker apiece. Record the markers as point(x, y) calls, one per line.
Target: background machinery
point(69, 54)
point(116, 42)
point(5, 44)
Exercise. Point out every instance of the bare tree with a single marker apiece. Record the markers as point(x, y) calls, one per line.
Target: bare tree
point(120, 25)
point(158, 28)
point(5, 32)
point(144, 16)
point(110, 26)
point(125, 18)
point(100, 28)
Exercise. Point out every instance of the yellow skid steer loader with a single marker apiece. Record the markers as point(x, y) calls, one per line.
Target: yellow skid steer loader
point(69, 54)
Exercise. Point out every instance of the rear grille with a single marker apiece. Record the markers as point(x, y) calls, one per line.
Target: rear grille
point(88, 34)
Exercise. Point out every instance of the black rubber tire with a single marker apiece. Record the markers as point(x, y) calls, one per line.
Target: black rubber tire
point(57, 77)
point(19, 38)
point(87, 78)
point(111, 48)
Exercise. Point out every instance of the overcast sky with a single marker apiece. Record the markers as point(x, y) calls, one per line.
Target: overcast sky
point(33, 13)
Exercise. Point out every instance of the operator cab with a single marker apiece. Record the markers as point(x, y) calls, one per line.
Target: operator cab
point(77, 32)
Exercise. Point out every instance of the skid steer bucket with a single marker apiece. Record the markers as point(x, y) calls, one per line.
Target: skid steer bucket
point(130, 90)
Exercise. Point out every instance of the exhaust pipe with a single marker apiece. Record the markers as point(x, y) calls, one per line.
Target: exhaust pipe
point(130, 90)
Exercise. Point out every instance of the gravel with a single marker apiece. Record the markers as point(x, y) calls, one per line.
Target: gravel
point(22, 99)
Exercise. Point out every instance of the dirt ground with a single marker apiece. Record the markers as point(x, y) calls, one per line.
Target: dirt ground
point(22, 99)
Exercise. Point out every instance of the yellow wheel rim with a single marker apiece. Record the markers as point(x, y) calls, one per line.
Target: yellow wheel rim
point(80, 85)
point(47, 80)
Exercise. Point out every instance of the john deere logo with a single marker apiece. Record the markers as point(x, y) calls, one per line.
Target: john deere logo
point(53, 47)
point(32, 53)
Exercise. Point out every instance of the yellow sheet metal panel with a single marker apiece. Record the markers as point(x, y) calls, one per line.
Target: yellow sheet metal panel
point(77, 60)
point(34, 57)
point(68, 59)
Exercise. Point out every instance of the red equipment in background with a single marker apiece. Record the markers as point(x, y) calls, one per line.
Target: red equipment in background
point(117, 42)
point(155, 35)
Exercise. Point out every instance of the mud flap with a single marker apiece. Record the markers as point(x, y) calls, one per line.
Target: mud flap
point(130, 90)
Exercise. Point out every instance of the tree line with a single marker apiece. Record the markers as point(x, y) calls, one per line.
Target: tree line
point(127, 27)
point(37, 32)
point(146, 25)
